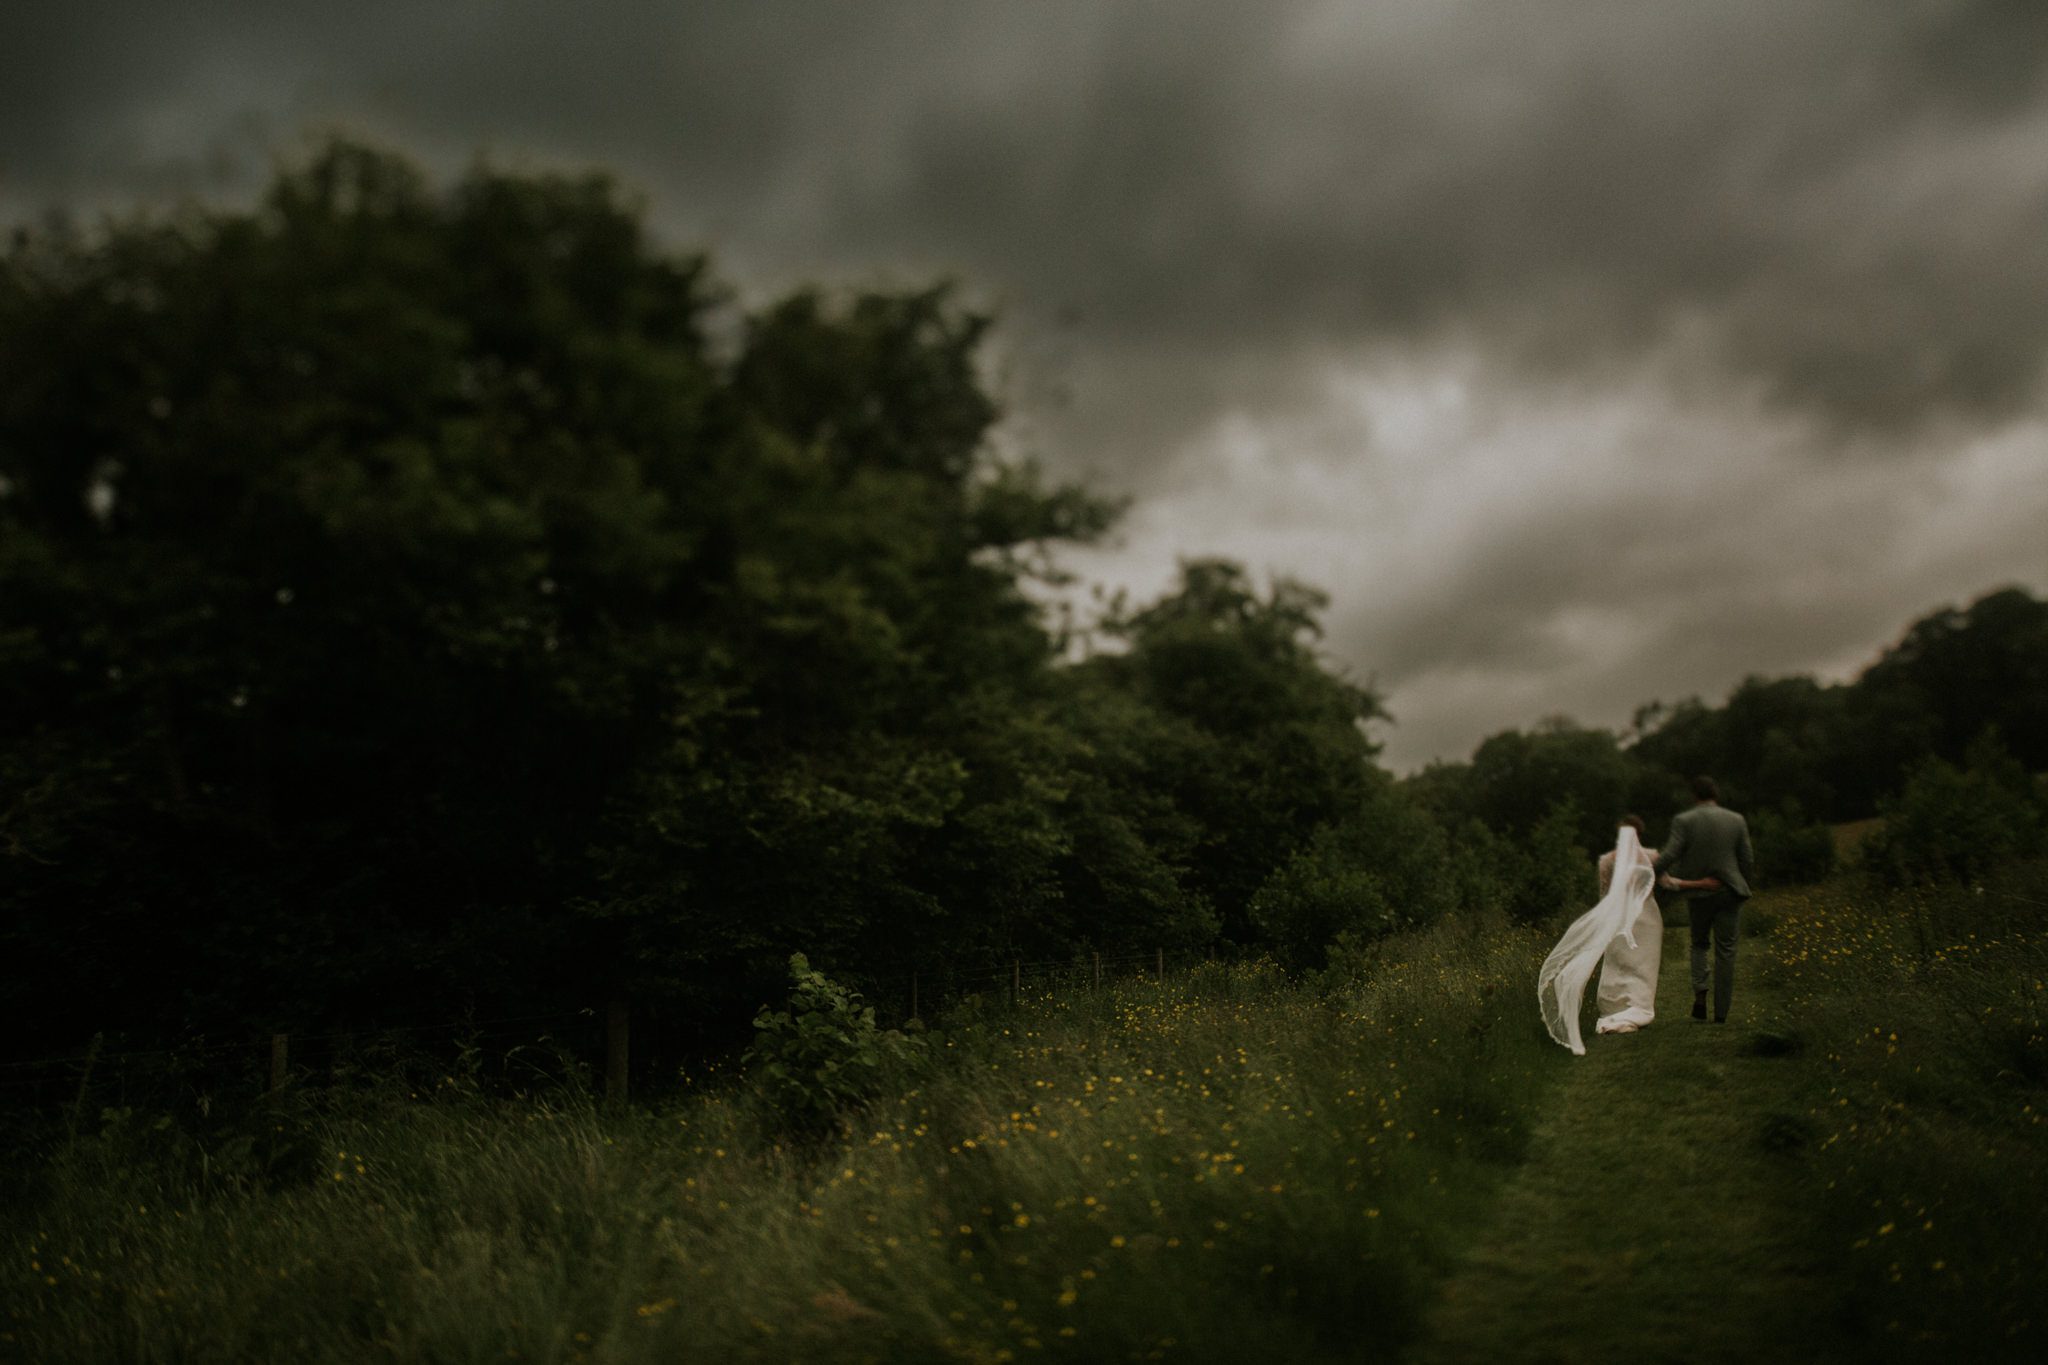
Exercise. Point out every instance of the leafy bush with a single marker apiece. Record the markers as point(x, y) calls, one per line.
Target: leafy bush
point(1957, 824)
point(823, 1056)
point(1484, 867)
point(1384, 868)
point(1550, 871)
point(1791, 849)
point(1321, 893)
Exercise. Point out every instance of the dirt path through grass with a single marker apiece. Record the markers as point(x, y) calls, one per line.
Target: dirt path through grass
point(1651, 1221)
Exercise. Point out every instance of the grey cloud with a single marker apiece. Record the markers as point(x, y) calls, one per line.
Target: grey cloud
point(1568, 192)
point(1826, 212)
point(1568, 183)
point(1503, 605)
point(1985, 55)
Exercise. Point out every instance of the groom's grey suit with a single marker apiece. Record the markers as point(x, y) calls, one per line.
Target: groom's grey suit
point(1711, 841)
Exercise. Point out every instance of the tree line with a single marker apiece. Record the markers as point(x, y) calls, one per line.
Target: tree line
point(418, 595)
point(1964, 687)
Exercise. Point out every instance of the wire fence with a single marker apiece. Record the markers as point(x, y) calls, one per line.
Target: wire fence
point(591, 1034)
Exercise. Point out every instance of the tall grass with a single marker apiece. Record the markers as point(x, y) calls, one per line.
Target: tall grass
point(1925, 1013)
point(1219, 1166)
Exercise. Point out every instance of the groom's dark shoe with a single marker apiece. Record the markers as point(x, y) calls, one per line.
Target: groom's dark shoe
point(1699, 1004)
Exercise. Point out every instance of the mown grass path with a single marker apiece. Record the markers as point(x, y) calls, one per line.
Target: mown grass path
point(1651, 1221)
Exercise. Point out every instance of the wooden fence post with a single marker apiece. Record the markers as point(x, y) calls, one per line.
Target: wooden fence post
point(1098, 971)
point(280, 1060)
point(913, 994)
point(1161, 952)
point(617, 1038)
point(92, 1055)
point(1016, 984)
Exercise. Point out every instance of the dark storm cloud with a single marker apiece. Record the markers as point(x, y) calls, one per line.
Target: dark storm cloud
point(1811, 195)
point(1814, 197)
point(1646, 239)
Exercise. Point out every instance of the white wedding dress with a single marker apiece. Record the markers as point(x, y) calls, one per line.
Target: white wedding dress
point(1623, 934)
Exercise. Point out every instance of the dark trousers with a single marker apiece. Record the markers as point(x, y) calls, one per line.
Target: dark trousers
point(1715, 916)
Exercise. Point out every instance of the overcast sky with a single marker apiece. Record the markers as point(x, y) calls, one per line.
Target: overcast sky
point(1586, 352)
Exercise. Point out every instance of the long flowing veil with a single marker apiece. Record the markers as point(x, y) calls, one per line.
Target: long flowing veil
point(1561, 984)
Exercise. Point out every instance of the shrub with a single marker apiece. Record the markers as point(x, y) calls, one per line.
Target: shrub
point(822, 1056)
point(1485, 867)
point(1550, 872)
point(1384, 868)
point(1791, 849)
point(1957, 824)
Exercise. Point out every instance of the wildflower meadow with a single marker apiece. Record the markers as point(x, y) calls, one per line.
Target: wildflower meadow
point(1225, 1164)
point(1220, 1165)
point(1922, 1017)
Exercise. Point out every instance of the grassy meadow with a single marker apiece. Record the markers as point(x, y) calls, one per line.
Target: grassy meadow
point(1225, 1165)
point(1220, 1166)
point(1921, 1022)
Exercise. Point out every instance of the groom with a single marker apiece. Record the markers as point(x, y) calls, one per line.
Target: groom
point(1711, 841)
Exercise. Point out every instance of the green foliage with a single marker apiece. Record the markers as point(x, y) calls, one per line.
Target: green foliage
point(821, 1057)
point(1838, 750)
point(1961, 671)
point(1262, 744)
point(402, 597)
point(1383, 868)
point(1534, 857)
point(1958, 823)
point(1797, 851)
point(1923, 1012)
point(1519, 779)
point(1550, 872)
point(1112, 1183)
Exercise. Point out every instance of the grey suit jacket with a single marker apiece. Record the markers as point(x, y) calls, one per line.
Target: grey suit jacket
point(1710, 841)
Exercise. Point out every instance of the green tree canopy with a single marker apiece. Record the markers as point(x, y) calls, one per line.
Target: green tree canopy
point(401, 596)
point(1267, 744)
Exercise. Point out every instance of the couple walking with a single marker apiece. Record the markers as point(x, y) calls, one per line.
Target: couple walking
point(1709, 859)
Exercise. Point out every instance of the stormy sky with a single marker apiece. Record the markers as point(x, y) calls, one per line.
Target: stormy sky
point(1585, 351)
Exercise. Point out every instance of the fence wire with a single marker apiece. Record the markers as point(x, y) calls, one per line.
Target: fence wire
point(894, 995)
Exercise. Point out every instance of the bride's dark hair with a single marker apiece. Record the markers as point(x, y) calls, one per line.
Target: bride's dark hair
point(1634, 822)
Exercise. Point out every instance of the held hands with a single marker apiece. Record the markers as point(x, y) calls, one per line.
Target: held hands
point(1671, 883)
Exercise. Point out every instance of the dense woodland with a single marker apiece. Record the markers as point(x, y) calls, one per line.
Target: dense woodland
point(416, 598)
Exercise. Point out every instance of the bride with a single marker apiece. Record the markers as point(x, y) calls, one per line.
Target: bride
point(1623, 934)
